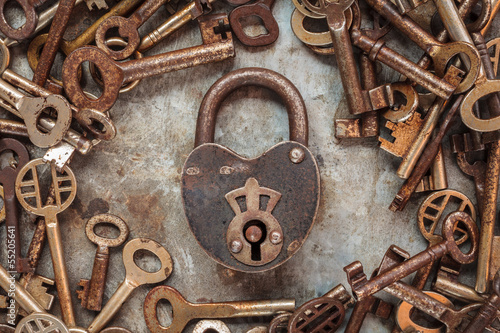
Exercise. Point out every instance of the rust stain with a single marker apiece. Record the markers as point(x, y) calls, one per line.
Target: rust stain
point(142, 206)
point(96, 206)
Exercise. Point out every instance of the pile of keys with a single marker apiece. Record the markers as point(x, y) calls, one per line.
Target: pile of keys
point(252, 215)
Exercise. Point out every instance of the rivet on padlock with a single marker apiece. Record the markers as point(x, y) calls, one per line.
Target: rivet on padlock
point(251, 214)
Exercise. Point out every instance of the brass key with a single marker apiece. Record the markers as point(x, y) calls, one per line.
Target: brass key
point(134, 278)
point(184, 311)
point(28, 193)
point(93, 290)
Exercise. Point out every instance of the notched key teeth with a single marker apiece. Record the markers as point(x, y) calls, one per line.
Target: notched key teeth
point(83, 293)
point(355, 275)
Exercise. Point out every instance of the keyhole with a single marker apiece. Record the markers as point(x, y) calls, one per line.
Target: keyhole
point(255, 234)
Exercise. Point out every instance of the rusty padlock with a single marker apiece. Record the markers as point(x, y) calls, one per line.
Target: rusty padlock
point(251, 215)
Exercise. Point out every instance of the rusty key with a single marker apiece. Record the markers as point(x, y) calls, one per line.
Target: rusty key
point(93, 290)
point(30, 15)
point(263, 10)
point(7, 178)
point(362, 288)
point(218, 45)
point(489, 311)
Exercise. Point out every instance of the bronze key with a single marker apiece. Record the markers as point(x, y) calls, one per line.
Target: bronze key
point(93, 290)
point(216, 46)
point(7, 178)
point(362, 288)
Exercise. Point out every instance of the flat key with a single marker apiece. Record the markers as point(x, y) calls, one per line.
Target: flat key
point(134, 277)
point(28, 193)
point(7, 178)
point(217, 46)
point(30, 108)
point(183, 311)
point(127, 29)
point(93, 290)
point(362, 288)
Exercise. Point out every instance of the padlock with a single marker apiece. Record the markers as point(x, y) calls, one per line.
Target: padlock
point(254, 214)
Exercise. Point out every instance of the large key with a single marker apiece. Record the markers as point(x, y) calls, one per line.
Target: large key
point(93, 290)
point(134, 277)
point(30, 108)
point(28, 193)
point(362, 288)
point(183, 311)
point(216, 46)
point(7, 178)
point(127, 29)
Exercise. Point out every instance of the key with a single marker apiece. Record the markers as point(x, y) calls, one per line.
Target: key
point(488, 312)
point(56, 32)
point(459, 291)
point(30, 108)
point(322, 314)
point(425, 160)
point(7, 178)
point(362, 288)
point(263, 10)
point(30, 15)
point(93, 290)
point(96, 122)
point(189, 12)
point(134, 277)
point(217, 46)
point(28, 193)
point(183, 311)
point(127, 29)
point(85, 38)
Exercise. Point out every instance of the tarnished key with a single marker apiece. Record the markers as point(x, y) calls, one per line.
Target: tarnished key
point(134, 277)
point(28, 193)
point(93, 290)
point(30, 108)
point(31, 19)
point(7, 178)
point(362, 288)
point(217, 46)
point(261, 9)
point(183, 311)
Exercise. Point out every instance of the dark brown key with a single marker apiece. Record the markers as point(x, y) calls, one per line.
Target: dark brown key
point(93, 290)
point(362, 288)
point(7, 179)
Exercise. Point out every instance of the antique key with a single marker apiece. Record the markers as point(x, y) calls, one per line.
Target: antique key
point(362, 288)
point(30, 15)
point(216, 47)
point(261, 9)
point(259, 236)
point(127, 29)
point(321, 314)
point(134, 278)
point(184, 311)
point(30, 108)
point(7, 178)
point(93, 290)
point(28, 193)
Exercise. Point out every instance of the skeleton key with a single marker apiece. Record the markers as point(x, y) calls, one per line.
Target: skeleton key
point(440, 53)
point(93, 290)
point(134, 278)
point(263, 10)
point(216, 47)
point(189, 12)
point(322, 314)
point(30, 15)
point(30, 108)
point(7, 178)
point(28, 193)
point(183, 311)
point(489, 311)
point(127, 29)
point(362, 288)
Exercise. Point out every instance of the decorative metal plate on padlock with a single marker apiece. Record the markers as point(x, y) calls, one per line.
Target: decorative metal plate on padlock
point(251, 214)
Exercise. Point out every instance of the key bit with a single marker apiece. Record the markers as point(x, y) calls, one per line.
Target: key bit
point(83, 294)
point(403, 133)
point(99, 4)
point(38, 286)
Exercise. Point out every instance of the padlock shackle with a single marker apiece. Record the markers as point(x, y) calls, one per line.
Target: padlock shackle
point(252, 76)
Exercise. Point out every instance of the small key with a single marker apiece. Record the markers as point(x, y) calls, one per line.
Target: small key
point(7, 178)
point(30, 108)
point(362, 288)
point(93, 290)
point(134, 277)
point(28, 193)
point(217, 47)
point(183, 311)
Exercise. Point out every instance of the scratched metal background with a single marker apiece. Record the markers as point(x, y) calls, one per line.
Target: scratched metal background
point(137, 176)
